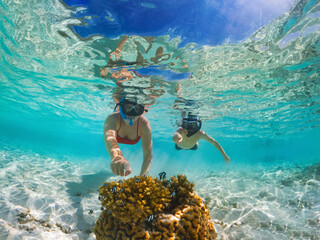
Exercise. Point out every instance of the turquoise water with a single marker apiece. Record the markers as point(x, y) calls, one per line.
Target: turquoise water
point(258, 97)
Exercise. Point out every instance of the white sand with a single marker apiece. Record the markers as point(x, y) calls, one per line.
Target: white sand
point(260, 203)
point(43, 198)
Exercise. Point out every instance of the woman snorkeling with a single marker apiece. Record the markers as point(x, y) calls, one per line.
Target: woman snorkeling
point(127, 126)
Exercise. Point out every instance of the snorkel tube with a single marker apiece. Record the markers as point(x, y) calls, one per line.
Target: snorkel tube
point(130, 119)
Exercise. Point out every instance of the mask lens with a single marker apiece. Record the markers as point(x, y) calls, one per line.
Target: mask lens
point(127, 107)
point(188, 125)
point(139, 109)
point(133, 109)
point(194, 125)
point(184, 124)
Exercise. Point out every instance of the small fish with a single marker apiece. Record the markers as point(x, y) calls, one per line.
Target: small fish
point(102, 208)
point(105, 184)
point(162, 175)
point(121, 190)
point(114, 189)
point(122, 203)
point(91, 211)
point(150, 218)
point(138, 180)
point(53, 20)
point(120, 181)
point(172, 194)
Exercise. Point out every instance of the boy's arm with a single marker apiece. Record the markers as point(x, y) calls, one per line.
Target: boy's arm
point(118, 163)
point(217, 145)
point(146, 138)
point(177, 137)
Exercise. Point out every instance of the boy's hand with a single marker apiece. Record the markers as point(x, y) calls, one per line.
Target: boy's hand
point(226, 159)
point(120, 166)
point(177, 138)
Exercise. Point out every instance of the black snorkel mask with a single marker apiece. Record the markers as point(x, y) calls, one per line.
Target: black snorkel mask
point(192, 124)
point(129, 110)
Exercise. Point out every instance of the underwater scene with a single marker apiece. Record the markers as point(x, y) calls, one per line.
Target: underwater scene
point(149, 119)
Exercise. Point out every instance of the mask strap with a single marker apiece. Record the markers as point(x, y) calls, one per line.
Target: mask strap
point(118, 104)
point(115, 108)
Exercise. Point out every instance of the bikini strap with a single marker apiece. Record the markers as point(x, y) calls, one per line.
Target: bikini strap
point(120, 124)
point(138, 127)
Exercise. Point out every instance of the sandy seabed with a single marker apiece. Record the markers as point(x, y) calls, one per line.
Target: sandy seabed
point(45, 198)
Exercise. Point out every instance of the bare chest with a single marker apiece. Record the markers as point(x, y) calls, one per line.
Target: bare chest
point(128, 132)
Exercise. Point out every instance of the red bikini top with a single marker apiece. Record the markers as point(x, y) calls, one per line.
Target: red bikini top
point(128, 141)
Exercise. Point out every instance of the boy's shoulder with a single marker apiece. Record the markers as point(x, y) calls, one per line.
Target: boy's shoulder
point(201, 134)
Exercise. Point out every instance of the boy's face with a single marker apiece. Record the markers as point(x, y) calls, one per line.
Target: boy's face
point(191, 126)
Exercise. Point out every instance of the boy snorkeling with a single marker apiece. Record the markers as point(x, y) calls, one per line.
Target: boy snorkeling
point(127, 126)
point(189, 133)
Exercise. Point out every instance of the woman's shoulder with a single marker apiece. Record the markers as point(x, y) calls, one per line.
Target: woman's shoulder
point(115, 116)
point(144, 122)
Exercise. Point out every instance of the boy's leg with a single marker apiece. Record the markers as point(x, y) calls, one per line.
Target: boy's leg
point(195, 147)
point(177, 147)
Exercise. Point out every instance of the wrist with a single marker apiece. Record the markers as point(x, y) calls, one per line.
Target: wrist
point(115, 153)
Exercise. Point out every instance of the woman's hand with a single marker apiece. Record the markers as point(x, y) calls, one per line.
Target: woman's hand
point(116, 53)
point(120, 166)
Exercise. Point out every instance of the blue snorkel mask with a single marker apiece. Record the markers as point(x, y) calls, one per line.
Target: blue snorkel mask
point(124, 117)
point(129, 110)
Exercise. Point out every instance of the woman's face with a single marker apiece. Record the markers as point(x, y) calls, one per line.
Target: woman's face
point(128, 119)
point(132, 110)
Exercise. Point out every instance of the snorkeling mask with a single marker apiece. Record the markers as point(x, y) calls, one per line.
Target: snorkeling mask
point(192, 124)
point(129, 110)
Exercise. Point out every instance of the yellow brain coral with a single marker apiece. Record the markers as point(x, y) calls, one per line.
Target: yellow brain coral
point(148, 208)
point(135, 199)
